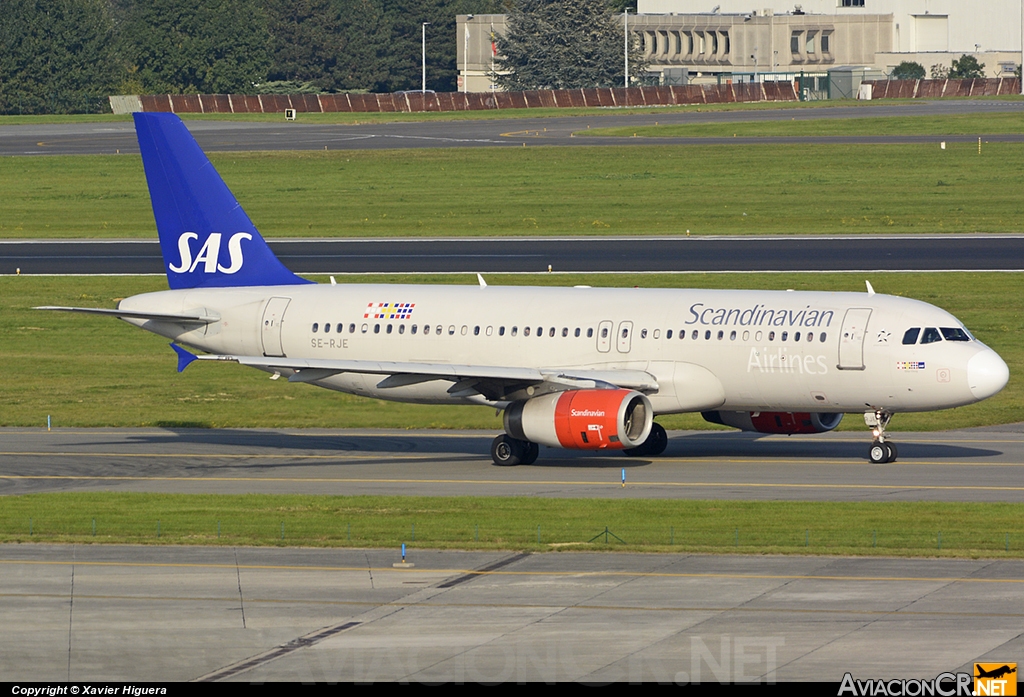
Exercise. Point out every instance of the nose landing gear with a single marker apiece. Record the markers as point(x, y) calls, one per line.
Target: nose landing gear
point(882, 450)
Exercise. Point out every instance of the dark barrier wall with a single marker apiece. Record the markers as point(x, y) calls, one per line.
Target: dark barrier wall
point(911, 89)
point(473, 101)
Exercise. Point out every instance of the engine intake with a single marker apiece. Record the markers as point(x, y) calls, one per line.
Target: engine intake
point(582, 419)
point(776, 421)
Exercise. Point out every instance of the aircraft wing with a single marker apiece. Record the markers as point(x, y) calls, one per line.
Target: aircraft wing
point(496, 383)
point(130, 314)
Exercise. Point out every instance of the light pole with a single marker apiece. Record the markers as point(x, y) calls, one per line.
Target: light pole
point(424, 87)
point(625, 44)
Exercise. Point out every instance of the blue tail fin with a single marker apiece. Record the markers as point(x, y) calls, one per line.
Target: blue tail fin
point(206, 238)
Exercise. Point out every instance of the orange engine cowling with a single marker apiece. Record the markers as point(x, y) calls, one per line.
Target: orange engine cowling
point(776, 421)
point(582, 419)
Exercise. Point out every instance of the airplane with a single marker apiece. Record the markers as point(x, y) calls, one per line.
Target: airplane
point(579, 368)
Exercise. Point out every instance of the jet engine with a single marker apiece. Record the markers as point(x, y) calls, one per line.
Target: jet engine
point(787, 422)
point(582, 419)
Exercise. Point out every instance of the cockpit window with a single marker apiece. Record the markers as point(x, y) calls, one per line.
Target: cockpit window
point(910, 337)
point(954, 334)
point(931, 335)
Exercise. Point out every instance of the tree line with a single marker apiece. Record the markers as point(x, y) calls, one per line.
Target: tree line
point(64, 56)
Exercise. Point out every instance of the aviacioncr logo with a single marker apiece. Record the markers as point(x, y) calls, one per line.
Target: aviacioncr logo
point(209, 253)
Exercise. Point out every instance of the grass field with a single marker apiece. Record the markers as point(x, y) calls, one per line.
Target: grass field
point(527, 523)
point(627, 190)
point(967, 124)
point(96, 371)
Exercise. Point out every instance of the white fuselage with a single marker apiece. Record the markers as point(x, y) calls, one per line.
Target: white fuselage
point(708, 349)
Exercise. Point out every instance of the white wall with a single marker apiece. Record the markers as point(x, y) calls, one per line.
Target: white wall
point(995, 25)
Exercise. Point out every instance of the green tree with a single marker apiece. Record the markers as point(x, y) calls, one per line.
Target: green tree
point(563, 44)
point(56, 56)
point(333, 45)
point(205, 46)
point(402, 59)
point(908, 70)
point(966, 67)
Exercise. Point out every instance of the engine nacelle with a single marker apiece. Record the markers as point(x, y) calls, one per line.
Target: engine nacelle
point(582, 419)
point(776, 421)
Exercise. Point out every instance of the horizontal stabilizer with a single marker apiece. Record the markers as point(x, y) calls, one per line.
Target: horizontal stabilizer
point(131, 314)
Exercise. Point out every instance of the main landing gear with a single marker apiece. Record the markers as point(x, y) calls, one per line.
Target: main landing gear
point(655, 444)
point(508, 451)
point(882, 450)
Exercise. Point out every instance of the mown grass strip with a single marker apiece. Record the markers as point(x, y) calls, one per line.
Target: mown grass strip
point(648, 189)
point(891, 529)
point(966, 124)
point(97, 371)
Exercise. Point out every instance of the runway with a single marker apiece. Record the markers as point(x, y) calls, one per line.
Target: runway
point(114, 614)
point(967, 465)
point(228, 136)
point(535, 255)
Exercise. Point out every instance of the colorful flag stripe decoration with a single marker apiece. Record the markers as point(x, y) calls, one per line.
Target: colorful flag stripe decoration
point(910, 365)
point(389, 310)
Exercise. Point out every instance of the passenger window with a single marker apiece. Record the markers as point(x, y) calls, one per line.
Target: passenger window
point(540, 331)
point(316, 325)
point(954, 334)
point(401, 329)
point(695, 334)
point(340, 328)
point(732, 335)
point(910, 336)
point(376, 329)
point(476, 331)
point(746, 336)
point(643, 333)
point(514, 330)
point(796, 337)
point(785, 335)
point(426, 329)
point(707, 335)
point(551, 332)
point(771, 336)
point(720, 334)
point(464, 329)
point(810, 336)
point(668, 334)
point(438, 330)
point(565, 331)
point(930, 336)
point(604, 333)
point(822, 337)
point(414, 329)
point(389, 329)
point(590, 332)
point(351, 329)
point(501, 331)
point(327, 327)
point(526, 331)
point(451, 330)
point(364, 328)
point(490, 330)
point(657, 334)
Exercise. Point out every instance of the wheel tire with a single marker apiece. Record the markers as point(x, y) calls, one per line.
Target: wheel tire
point(530, 454)
point(893, 453)
point(657, 441)
point(507, 451)
point(879, 453)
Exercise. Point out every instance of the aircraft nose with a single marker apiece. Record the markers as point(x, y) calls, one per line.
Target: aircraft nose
point(986, 374)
